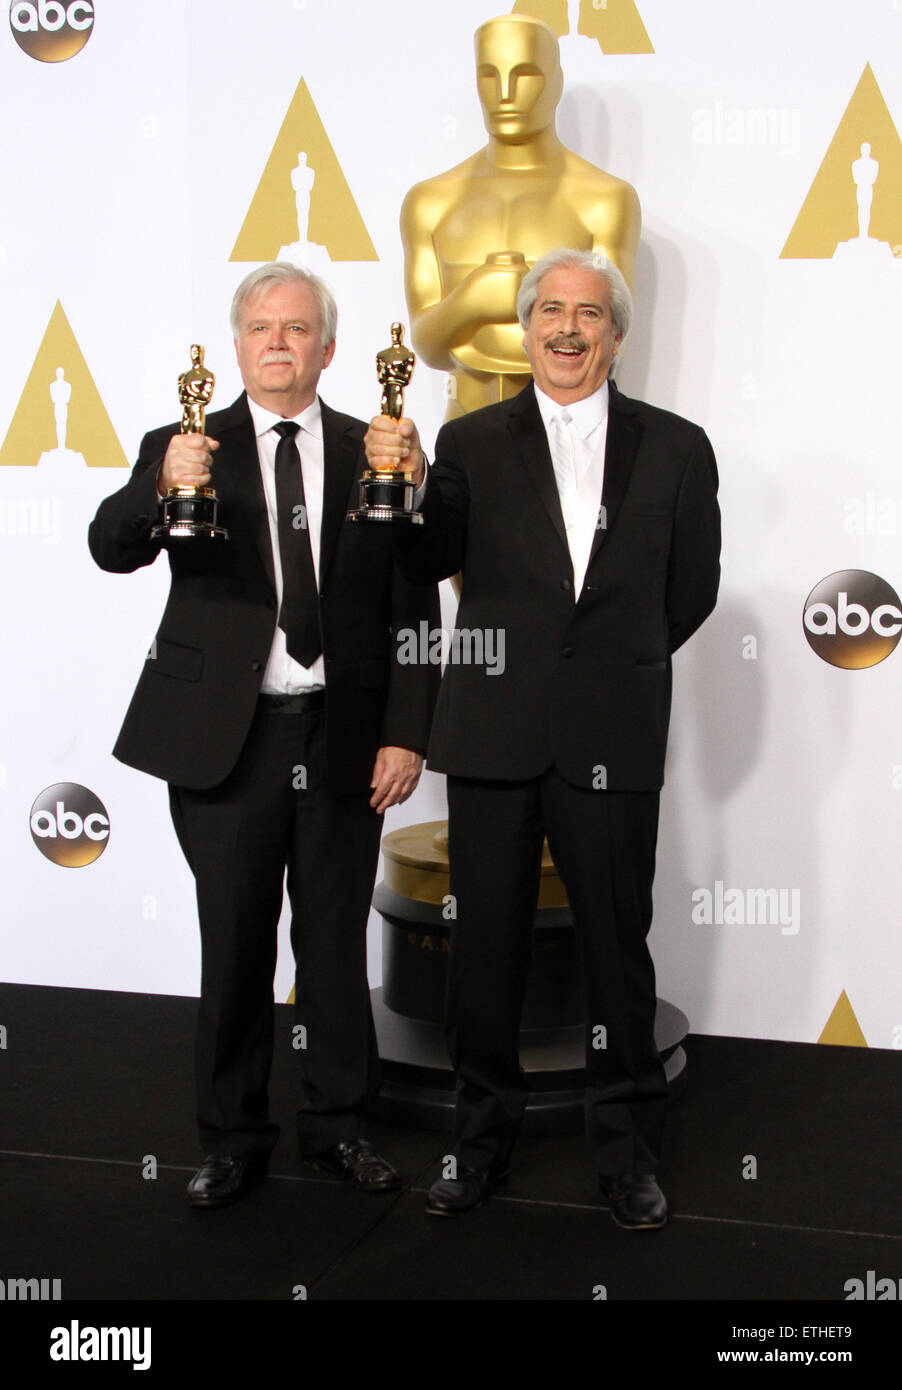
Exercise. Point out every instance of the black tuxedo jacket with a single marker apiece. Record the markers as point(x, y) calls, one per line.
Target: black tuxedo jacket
point(192, 709)
point(586, 683)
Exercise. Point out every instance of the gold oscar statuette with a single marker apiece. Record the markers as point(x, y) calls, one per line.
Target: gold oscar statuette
point(471, 233)
point(187, 513)
point(386, 494)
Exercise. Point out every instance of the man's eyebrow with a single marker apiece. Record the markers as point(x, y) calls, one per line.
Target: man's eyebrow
point(583, 304)
point(264, 318)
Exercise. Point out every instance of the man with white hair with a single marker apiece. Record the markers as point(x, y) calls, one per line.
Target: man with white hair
point(587, 529)
point(274, 704)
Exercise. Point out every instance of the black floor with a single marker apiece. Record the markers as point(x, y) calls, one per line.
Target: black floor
point(97, 1097)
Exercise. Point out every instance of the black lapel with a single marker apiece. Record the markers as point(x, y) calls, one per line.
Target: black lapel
point(341, 465)
point(528, 433)
point(621, 447)
point(236, 476)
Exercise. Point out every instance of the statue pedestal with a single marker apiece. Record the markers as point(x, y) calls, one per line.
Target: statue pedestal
point(864, 251)
point(418, 1085)
point(309, 255)
point(60, 462)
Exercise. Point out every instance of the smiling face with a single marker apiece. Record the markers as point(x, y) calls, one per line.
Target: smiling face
point(570, 339)
point(280, 347)
point(518, 77)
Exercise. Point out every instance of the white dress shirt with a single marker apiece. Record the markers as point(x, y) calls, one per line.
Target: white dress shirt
point(581, 500)
point(284, 675)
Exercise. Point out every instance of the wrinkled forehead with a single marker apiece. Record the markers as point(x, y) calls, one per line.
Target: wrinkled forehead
point(506, 44)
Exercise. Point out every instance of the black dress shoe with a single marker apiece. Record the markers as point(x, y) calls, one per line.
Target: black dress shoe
point(468, 1190)
point(359, 1163)
point(637, 1202)
point(220, 1181)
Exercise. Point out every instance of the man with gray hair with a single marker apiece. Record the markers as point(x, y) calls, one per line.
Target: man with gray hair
point(587, 529)
point(274, 704)
point(621, 300)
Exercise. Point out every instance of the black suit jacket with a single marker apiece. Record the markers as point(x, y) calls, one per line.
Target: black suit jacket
point(192, 709)
point(586, 684)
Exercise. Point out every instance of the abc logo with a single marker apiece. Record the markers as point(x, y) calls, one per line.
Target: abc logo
point(853, 619)
point(69, 825)
point(51, 30)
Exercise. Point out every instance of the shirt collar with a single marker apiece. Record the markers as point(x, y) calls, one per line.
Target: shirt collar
point(310, 419)
point(586, 414)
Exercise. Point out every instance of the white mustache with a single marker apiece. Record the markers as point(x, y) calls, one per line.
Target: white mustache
point(276, 355)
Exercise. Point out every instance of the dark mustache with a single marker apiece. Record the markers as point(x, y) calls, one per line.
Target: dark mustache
point(568, 340)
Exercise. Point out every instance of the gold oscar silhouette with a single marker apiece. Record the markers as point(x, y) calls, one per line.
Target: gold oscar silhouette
point(470, 234)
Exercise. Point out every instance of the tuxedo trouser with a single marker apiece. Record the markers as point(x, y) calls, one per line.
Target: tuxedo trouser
point(603, 845)
point(277, 811)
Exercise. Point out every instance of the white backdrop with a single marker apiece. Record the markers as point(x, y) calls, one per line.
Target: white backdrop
point(129, 171)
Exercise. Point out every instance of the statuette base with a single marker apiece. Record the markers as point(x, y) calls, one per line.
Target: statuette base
point(189, 513)
point(386, 495)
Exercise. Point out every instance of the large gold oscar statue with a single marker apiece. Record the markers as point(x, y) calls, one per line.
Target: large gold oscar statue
point(470, 234)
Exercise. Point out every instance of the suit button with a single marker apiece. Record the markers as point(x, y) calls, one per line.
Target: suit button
point(567, 651)
point(256, 665)
point(566, 585)
point(270, 603)
point(139, 522)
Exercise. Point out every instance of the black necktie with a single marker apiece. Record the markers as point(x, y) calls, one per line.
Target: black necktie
point(299, 614)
